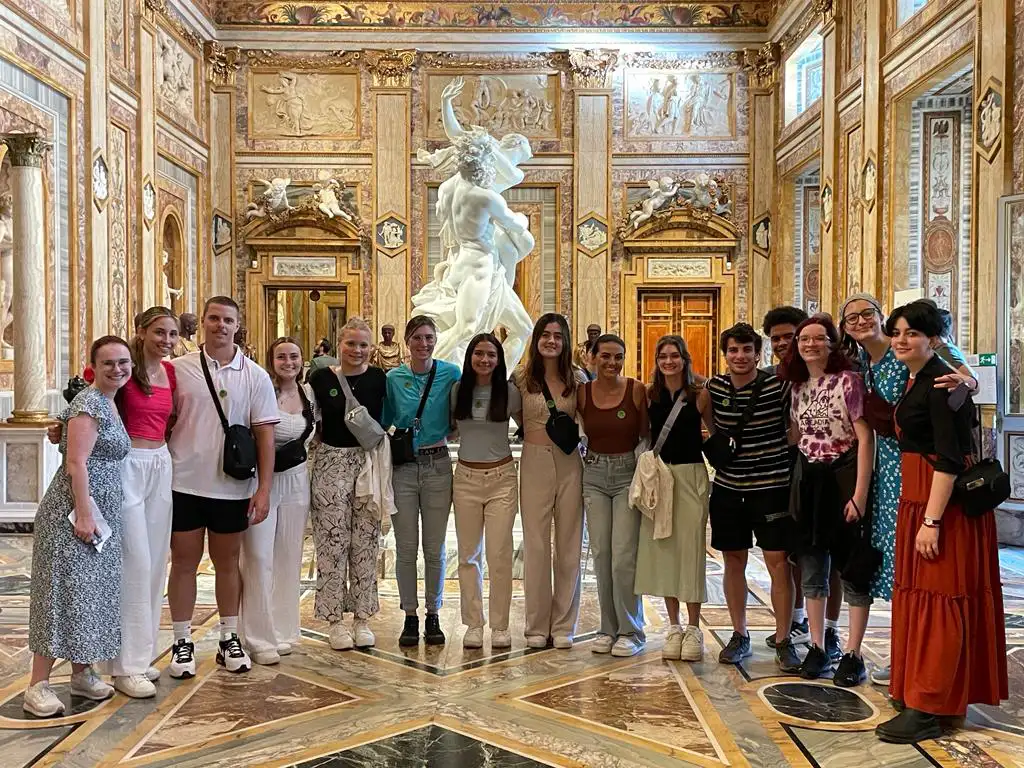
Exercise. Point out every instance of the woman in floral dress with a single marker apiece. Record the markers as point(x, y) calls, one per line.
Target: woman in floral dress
point(861, 321)
point(75, 605)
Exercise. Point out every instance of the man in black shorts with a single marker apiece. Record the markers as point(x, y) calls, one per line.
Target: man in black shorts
point(750, 496)
point(206, 499)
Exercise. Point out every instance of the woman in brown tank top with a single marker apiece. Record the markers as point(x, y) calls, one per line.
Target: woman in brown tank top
point(614, 411)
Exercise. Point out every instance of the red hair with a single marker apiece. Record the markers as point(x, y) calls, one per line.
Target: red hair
point(794, 369)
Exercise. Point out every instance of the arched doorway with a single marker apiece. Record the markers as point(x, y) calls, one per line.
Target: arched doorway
point(172, 260)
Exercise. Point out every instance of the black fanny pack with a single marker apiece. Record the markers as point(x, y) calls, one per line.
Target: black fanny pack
point(293, 453)
point(561, 427)
point(239, 444)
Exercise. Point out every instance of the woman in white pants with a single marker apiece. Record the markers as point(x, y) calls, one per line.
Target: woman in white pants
point(145, 403)
point(271, 557)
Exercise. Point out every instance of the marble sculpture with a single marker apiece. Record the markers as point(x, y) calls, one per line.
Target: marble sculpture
point(482, 239)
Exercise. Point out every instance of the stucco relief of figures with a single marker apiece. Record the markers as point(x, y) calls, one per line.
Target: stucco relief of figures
point(175, 78)
point(304, 104)
point(678, 104)
point(6, 268)
point(523, 103)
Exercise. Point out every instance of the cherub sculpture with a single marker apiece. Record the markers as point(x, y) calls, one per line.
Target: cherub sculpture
point(326, 198)
point(662, 190)
point(273, 199)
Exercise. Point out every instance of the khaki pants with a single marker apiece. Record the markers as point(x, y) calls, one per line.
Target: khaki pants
point(551, 489)
point(486, 501)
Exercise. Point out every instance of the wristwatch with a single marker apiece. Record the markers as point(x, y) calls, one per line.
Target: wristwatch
point(931, 522)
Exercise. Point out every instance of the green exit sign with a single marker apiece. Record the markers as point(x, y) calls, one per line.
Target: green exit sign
point(987, 359)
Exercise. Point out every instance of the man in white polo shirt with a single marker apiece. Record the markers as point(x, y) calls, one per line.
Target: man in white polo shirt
point(205, 498)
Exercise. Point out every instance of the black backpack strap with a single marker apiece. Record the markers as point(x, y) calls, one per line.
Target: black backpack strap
point(549, 401)
point(213, 390)
point(307, 412)
point(748, 412)
point(426, 392)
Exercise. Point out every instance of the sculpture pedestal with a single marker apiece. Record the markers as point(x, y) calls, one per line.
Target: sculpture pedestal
point(28, 461)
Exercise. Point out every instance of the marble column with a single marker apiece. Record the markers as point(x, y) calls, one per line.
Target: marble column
point(28, 298)
point(832, 274)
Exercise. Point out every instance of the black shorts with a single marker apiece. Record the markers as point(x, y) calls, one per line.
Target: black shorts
point(736, 518)
point(217, 515)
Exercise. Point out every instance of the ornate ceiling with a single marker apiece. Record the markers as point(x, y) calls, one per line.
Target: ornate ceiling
point(465, 15)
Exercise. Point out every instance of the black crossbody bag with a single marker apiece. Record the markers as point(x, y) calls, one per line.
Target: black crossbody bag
point(239, 444)
point(721, 448)
point(561, 427)
point(293, 453)
point(402, 450)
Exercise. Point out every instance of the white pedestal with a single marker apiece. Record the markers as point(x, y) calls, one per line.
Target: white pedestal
point(28, 461)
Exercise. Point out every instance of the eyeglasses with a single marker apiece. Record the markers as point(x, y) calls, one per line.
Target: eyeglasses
point(812, 340)
point(111, 365)
point(865, 314)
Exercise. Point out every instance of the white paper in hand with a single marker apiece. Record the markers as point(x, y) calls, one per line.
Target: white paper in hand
point(102, 527)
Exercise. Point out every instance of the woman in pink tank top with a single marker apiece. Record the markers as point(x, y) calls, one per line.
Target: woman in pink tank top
point(146, 404)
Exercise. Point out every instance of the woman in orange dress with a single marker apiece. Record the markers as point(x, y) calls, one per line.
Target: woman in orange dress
point(948, 637)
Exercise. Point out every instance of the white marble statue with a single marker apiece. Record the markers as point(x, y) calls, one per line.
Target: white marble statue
point(462, 314)
point(662, 190)
point(170, 292)
point(326, 196)
point(472, 291)
point(273, 199)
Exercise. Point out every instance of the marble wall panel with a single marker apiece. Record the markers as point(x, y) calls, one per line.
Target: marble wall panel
point(1018, 101)
point(180, 152)
point(119, 234)
point(60, 18)
point(853, 55)
point(125, 120)
point(848, 216)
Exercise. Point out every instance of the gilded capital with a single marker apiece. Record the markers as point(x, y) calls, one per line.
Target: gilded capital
point(391, 68)
point(762, 64)
point(223, 62)
point(592, 68)
point(827, 9)
point(26, 149)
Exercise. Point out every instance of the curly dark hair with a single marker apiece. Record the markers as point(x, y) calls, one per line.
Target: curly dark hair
point(794, 369)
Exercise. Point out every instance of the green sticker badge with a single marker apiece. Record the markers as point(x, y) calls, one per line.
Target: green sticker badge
point(620, 415)
point(550, 403)
point(223, 393)
point(333, 393)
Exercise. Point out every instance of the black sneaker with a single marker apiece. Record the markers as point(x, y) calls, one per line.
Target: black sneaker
point(799, 632)
point(785, 656)
point(850, 672)
point(232, 656)
point(183, 660)
point(432, 633)
point(410, 632)
point(737, 649)
point(815, 663)
point(832, 646)
point(909, 727)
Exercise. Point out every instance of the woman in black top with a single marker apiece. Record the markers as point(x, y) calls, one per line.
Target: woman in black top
point(673, 566)
point(347, 537)
point(948, 637)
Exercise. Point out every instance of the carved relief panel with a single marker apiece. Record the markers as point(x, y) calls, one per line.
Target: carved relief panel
point(520, 102)
point(297, 103)
point(176, 79)
point(679, 104)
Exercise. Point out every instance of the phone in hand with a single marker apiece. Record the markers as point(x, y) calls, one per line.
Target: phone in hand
point(958, 397)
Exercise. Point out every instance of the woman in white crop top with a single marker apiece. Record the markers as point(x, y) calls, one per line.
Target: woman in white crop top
point(271, 557)
point(555, 489)
point(485, 491)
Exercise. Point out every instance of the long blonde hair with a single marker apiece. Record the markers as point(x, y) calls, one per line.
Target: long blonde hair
point(137, 344)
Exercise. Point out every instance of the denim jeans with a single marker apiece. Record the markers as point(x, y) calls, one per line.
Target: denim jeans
point(423, 489)
point(614, 530)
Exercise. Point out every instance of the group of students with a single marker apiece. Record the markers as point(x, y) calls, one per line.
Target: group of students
point(797, 465)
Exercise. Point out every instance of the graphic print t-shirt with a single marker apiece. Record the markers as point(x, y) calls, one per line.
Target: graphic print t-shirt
point(825, 409)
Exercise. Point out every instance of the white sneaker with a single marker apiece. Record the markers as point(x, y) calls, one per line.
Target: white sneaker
point(536, 641)
point(603, 644)
point(284, 649)
point(880, 675)
point(266, 658)
point(673, 643)
point(340, 638)
point(363, 634)
point(501, 638)
point(474, 638)
point(183, 660)
point(562, 642)
point(692, 645)
point(135, 686)
point(232, 656)
point(627, 646)
point(41, 701)
point(152, 674)
point(89, 685)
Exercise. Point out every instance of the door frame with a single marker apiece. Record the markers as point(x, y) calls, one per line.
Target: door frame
point(685, 250)
point(1009, 427)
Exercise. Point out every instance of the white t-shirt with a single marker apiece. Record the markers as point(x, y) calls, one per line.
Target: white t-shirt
point(197, 440)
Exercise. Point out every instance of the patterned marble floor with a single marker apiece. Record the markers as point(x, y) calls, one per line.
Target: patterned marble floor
point(453, 708)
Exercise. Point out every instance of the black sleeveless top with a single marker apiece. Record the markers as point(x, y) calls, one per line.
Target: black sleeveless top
point(683, 445)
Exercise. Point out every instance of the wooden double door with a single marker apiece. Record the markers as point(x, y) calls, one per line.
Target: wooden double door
point(688, 312)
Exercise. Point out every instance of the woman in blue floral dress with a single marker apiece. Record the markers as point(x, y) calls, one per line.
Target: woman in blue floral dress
point(861, 322)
